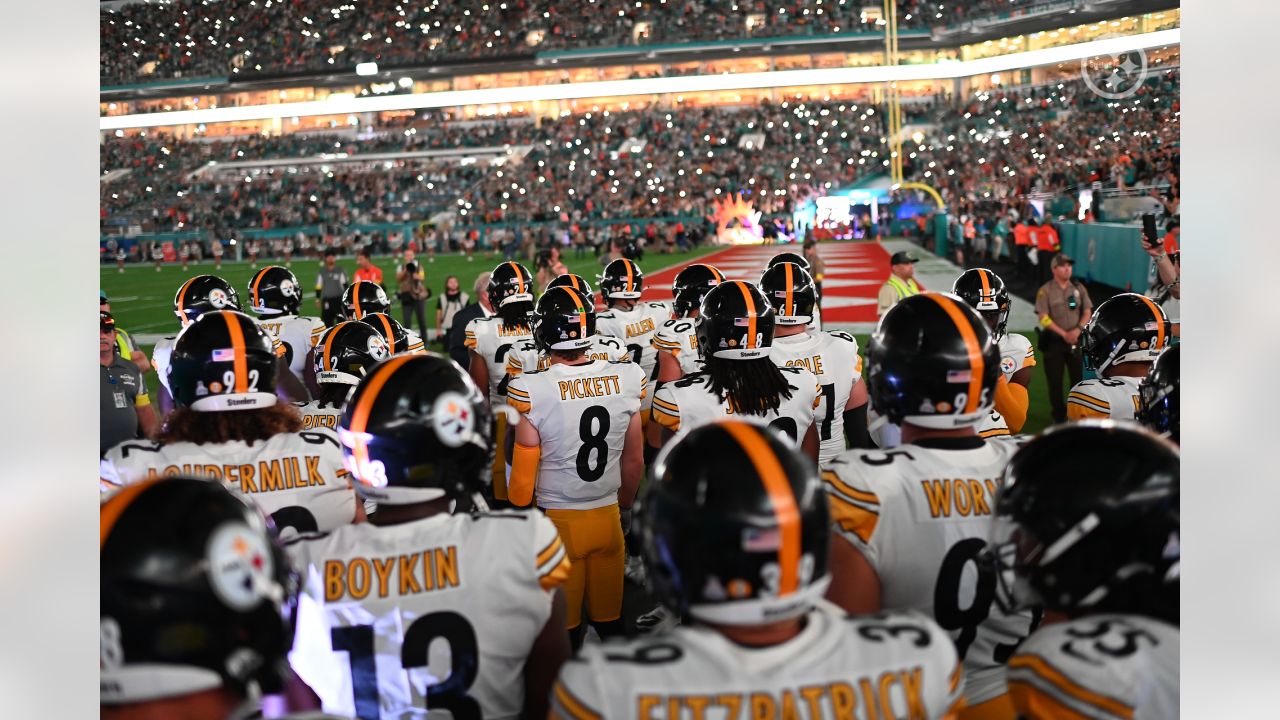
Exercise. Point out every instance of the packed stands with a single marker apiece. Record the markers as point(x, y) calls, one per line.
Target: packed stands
point(238, 38)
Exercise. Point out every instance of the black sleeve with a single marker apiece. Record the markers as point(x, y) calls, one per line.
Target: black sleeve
point(855, 428)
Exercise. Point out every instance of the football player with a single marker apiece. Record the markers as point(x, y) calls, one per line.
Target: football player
point(676, 342)
point(489, 339)
point(985, 292)
point(399, 339)
point(631, 321)
point(229, 426)
point(527, 356)
point(362, 297)
point(421, 610)
point(194, 604)
point(802, 261)
point(910, 522)
point(1120, 342)
point(734, 530)
point(578, 448)
point(195, 297)
point(739, 379)
point(577, 282)
point(1158, 395)
point(274, 296)
point(832, 356)
point(345, 354)
point(1087, 526)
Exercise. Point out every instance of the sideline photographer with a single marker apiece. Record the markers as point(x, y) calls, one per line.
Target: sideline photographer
point(413, 292)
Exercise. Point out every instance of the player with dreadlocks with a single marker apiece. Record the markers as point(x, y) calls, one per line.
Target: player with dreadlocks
point(738, 379)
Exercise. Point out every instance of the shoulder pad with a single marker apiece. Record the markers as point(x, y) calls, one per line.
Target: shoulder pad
point(793, 369)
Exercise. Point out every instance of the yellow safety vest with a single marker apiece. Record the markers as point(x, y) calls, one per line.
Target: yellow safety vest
point(904, 289)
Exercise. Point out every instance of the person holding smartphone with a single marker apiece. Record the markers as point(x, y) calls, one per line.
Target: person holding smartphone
point(1167, 290)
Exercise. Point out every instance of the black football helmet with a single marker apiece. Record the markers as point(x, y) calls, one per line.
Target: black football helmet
point(790, 290)
point(622, 280)
point(417, 429)
point(1127, 328)
point(736, 322)
point(733, 526)
point(1158, 395)
point(789, 257)
point(223, 361)
point(933, 363)
point(697, 274)
point(565, 319)
point(985, 292)
point(274, 290)
point(202, 294)
point(510, 283)
point(393, 333)
point(692, 285)
point(1088, 521)
point(346, 352)
point(577, 282)
point(363, 297)
point(195, 594)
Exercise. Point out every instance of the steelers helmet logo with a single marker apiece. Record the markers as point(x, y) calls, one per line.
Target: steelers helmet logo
point(454, 421)
point(240, 566)
point(288, 289)
point(218, 298)
point(381, 295)
point(377, 347)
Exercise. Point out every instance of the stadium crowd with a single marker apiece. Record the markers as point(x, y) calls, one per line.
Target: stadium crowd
point(217, 38)
point(658, 162)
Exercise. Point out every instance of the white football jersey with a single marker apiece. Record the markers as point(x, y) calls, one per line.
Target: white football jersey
point(680, 338)
point(299, 479)
point(1116, 398)
point(430, 616)
point(689, 403)
point(526, 358)
point(298, 333)
point(636, 328)
point(1015, 353)
point(160, 356)
point(319, 414)
point(920, 514)
point(1101, 666)
point(581, 413)
point(893, 665)
point(833, 358)
point(492, 341)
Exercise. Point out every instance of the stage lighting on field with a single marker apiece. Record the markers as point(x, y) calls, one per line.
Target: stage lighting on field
point(366, 68)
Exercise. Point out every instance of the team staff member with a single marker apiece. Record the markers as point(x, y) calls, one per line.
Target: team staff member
point(125, 407)
point(1064, 308)
point(330, 284)
point(128, 348)
point(479, 307)
point(365, 269)
point(901, 283)
point(579, 449)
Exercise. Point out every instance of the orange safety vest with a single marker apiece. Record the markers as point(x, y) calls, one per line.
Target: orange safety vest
point(1021, 234)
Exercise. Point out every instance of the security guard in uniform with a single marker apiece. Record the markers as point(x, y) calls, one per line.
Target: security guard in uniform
point(901, 283)
point(1064, 308)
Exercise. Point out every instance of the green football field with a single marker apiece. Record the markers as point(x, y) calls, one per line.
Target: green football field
point(142, 299)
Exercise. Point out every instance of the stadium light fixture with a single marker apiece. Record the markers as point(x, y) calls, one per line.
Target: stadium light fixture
point(366, 68)
point(335, 105)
